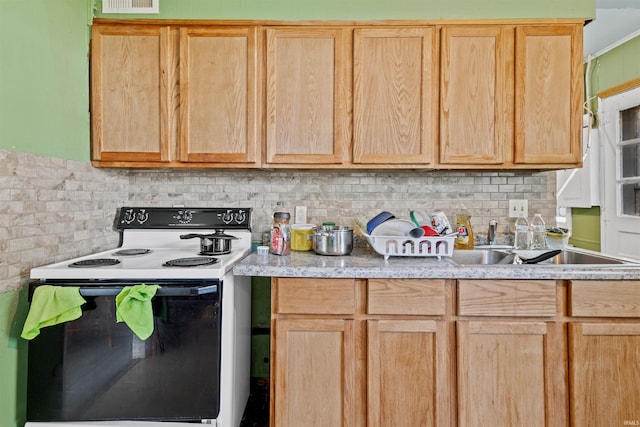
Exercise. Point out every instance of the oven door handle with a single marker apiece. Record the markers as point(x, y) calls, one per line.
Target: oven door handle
point(163, 291)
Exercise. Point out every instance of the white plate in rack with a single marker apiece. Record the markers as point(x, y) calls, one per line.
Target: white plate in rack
point(394, 227)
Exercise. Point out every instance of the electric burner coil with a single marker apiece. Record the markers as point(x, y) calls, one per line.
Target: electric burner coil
point(190, 262)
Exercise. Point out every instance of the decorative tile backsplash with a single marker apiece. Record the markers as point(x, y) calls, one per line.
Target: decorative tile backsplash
point(53, 209)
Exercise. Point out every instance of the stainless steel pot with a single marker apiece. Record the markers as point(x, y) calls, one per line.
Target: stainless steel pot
point(333, 240)
point(217, 243)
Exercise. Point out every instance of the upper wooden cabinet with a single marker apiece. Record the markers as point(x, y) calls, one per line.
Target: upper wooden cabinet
point(337, 95)
point(306, 117)
point(476, 95)
point(511, 96)
point(549, 94)
point(218, 96)
point(131, 88)
point(394, 96)
point(168, 96)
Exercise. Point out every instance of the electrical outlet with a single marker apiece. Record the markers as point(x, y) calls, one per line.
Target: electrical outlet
point(300, 215)
point(518, 208)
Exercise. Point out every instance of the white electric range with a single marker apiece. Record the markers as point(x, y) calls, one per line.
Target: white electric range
point(195, 367)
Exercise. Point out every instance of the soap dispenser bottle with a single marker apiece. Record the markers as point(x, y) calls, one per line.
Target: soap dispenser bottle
point(464, 239)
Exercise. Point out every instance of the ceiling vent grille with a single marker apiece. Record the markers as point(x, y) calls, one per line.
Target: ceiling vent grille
point(130, 6)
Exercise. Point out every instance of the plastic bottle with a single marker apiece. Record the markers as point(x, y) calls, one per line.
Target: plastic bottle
point(464, 239)
point(522, 237)
point(538, 235)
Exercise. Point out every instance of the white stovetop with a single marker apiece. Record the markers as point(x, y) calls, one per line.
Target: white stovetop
point(164, 245)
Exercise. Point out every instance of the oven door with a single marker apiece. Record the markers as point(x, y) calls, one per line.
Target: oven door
point(94, 369)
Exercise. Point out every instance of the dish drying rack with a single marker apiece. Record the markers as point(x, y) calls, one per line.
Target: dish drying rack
point(426, 246)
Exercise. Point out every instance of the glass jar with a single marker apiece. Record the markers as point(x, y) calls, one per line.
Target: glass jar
point(280, 242)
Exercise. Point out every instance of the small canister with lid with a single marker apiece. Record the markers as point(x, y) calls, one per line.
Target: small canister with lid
point(281, 234)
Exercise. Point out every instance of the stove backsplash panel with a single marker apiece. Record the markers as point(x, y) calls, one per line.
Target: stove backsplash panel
point(53, 209)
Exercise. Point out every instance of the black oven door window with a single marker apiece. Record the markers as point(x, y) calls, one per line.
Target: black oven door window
point(96, 369)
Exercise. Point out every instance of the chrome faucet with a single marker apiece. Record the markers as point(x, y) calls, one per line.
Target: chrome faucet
point(492, 234)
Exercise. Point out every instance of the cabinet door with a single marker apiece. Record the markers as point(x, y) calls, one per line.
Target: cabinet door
point(549, 94)
point(305, 100)
point(131, 83)
point(408, 372)
point(218, 96)
point(476, 93)
point(509, 375)
point(314, 373)
point(394, 96)
point(604, 368)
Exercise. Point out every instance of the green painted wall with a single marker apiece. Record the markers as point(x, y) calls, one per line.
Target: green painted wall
point(44, 88)
point(368, 9)
point(13, 311)
point(44, 77)
point(617, 66)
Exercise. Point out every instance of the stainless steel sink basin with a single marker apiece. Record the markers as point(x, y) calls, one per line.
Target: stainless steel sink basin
point(480, 257)
point(505, 257)
point(571, 257)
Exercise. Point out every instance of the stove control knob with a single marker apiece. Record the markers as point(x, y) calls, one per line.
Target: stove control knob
point(143, 216)
point(241, 217)
point(227, 217)
point(128, 217)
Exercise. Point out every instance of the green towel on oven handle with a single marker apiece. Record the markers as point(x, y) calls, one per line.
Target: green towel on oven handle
point(133, 307)
point(51, 305)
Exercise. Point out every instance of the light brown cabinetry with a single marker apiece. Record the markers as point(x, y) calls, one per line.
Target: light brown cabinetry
point(219, 96)
point(148, 111)
point(306, 110)
point(132, 85)
point(510, 369)
point(394, 96)
point(347, 359)
point(549, 94)
point(511, 96)
point(413, 94)
point(476, 95)
point(604, 359)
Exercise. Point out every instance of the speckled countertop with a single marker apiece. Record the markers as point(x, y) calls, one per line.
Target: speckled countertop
point(364, 262)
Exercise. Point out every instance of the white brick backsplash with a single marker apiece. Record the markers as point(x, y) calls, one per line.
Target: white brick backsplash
point(54, 209)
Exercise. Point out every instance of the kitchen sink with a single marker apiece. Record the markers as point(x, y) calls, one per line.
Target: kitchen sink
point(480, 257)
point(505, 257)
point(571, 257)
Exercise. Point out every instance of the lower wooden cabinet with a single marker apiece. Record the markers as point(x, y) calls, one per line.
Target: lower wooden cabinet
point(417, 352)
point(605, 374)
point(407, 375)
point(509, 375)
point(604, 353)
point(314, 372)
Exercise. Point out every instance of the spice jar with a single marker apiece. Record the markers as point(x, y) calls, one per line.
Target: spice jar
point(281, 234)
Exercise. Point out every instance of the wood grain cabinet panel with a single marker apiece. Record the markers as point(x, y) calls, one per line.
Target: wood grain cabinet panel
point(407, 373)
point(516, 298)
point(509, 374)
point(602, 298)
point(604, 374)
point(549, 94)
point(476, 94)
point(314, 371)
point(306, 115)
point(406, 297)
point(218, 95)
point(321, 296)
point(131, 83)
point(394, 96)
